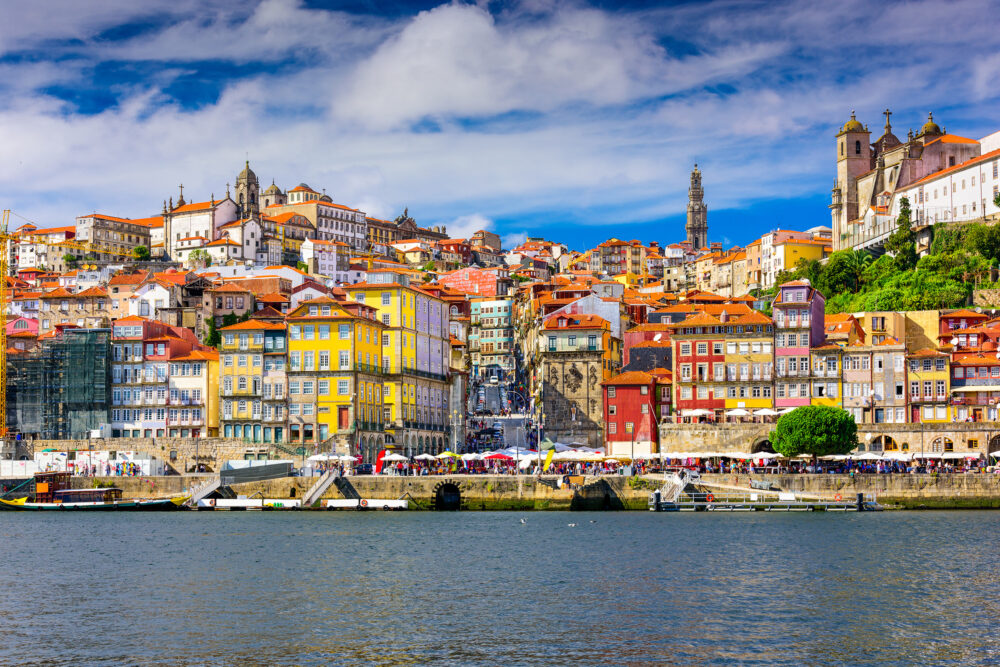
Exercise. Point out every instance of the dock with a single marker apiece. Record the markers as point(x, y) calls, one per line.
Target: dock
point(683, 491)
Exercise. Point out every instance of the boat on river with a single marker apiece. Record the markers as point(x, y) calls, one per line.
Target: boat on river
point(51, 494)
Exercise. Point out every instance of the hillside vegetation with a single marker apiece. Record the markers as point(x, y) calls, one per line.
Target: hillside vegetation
point(961, 257)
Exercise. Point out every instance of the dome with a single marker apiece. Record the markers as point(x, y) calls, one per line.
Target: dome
point(273, 189)
point(247, 174)
point(853, 125)
point(930, 127)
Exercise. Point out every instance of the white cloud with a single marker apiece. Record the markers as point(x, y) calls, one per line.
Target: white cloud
point(612, 107)
point(513, 239)
point(465, 226)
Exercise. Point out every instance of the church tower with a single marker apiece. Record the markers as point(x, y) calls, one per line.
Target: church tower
point(247, 193)
point(697, 220)
point(854, 157)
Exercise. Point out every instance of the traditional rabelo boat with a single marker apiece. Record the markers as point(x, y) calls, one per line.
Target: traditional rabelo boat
point(52, 493)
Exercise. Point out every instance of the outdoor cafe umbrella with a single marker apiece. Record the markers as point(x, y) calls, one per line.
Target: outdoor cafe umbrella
point(765, 412)
point(497, 456)
point(446, 454)
point(738, 412)
point(394, 457)
point(424, 457)
point(322, 457)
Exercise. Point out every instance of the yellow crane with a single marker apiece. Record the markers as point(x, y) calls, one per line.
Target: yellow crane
point(6, 240)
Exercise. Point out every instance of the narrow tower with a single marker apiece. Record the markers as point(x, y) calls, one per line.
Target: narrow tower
point(697, 221)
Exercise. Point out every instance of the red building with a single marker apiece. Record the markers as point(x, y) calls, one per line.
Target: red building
point(642, 333)
point(958, 320)
point(477, 281)
point(699, 367)
point(631, 416)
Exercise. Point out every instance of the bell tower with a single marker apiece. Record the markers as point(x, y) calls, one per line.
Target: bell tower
point(854, 157)
point(247, 193)
point(697, 213)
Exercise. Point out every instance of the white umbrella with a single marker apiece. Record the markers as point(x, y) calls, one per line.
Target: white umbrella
point(897, 456)
point(394, 457)
point(867, 456)
point(472, 456)
point(954, 456)
point(929, 455)
point(785, 411)
point(611, 460)
point(347, 457)
point(424, 457)
point(738, 412)
point(321, 457)
point(996, 453)
point(765, 412)
point(760, 456)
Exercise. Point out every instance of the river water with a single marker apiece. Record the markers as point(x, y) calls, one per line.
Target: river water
point(483, 588)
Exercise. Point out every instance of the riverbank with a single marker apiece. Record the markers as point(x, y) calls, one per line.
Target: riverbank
point(504, 492)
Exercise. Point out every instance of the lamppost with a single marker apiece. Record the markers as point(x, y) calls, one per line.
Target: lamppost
point(456, 421)
point(630, 429)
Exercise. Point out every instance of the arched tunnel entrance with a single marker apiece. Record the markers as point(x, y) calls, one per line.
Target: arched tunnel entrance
point(447, 497)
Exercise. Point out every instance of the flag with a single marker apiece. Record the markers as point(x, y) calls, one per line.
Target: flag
point(548, 458)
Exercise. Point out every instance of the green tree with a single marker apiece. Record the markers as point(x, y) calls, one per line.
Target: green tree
point(229, 319)
point(200, 257)
point(818, 430)
point(70, 260)
point(302, 266)
point(985, 240)
point(212, 337)
point(140, 253)
point(902, 243)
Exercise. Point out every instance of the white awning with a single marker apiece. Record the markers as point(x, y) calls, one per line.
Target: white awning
point(988, 387)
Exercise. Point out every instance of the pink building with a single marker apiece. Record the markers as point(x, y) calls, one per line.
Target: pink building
point(798, 325)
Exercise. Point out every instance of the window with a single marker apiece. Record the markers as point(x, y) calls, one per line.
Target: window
point(611, 392)
point(612, 427)
point(612, 409)
point(644, 391)
point(686, 349)
point(324, 332)
point(702, 348)
point(343, 387)
point(717, 348)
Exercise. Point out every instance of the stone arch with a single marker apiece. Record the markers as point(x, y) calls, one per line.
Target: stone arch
point(420, 444)
point(942, 445)
point(994, 443)
point(447, 497)
point(762, 445)
point(883, 443)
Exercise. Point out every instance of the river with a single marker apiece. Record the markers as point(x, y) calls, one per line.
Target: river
point(482, 588)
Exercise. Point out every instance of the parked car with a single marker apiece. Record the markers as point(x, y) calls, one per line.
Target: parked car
point(364, 469)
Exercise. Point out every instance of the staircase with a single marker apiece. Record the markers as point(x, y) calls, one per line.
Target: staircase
point(317, 490)
point(346, 488)
point(204, 490)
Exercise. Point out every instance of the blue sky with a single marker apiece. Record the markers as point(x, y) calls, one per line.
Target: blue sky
point(568, 120)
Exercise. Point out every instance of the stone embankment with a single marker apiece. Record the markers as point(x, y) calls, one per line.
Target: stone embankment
point(489, 492)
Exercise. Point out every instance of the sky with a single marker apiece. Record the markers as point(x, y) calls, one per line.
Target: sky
point(569, 120)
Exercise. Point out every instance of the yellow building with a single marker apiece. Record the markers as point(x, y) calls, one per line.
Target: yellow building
point(930, 386)
point(335, 375)
point(827, 388)
point(194, 395)
point(416, 359)
point(789, 252)
point(749, 362)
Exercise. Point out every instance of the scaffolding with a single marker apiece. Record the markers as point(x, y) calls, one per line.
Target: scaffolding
point(61, 389)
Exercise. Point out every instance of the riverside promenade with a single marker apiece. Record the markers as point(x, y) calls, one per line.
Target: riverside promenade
point(610, 492)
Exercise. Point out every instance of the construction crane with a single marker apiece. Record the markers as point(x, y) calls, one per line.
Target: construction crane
point(6, 240)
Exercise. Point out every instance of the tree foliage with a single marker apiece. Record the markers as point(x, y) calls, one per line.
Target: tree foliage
point(818, 430)
point(200, 257)
point(902, 243)
point(212, 337)
point(70, 260)
point(140, 253)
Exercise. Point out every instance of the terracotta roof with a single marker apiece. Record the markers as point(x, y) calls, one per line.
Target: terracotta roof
point(952, 139)
point(576, 322)
point(131, 319)
point(94, 291)
point(967, 314)
point(754, 317)
point(196, 206)
point(699, 319)
point(630, 377)
point(927, 352)
point(944, 172)
point(252, 325)
point(198, 355)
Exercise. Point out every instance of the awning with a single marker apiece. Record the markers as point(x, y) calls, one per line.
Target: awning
point(969, 390)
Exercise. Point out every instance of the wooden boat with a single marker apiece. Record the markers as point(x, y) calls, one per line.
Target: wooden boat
point(94, 500)
point(52, 493)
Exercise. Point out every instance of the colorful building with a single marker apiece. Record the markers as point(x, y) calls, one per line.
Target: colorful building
point(242, 382)
point(749, 362)
point(798, 322)
point(335, 376)
point(699, 367)
point(929, 386)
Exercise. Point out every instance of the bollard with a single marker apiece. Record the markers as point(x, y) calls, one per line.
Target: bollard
point(861, 502)
point(656, 500)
